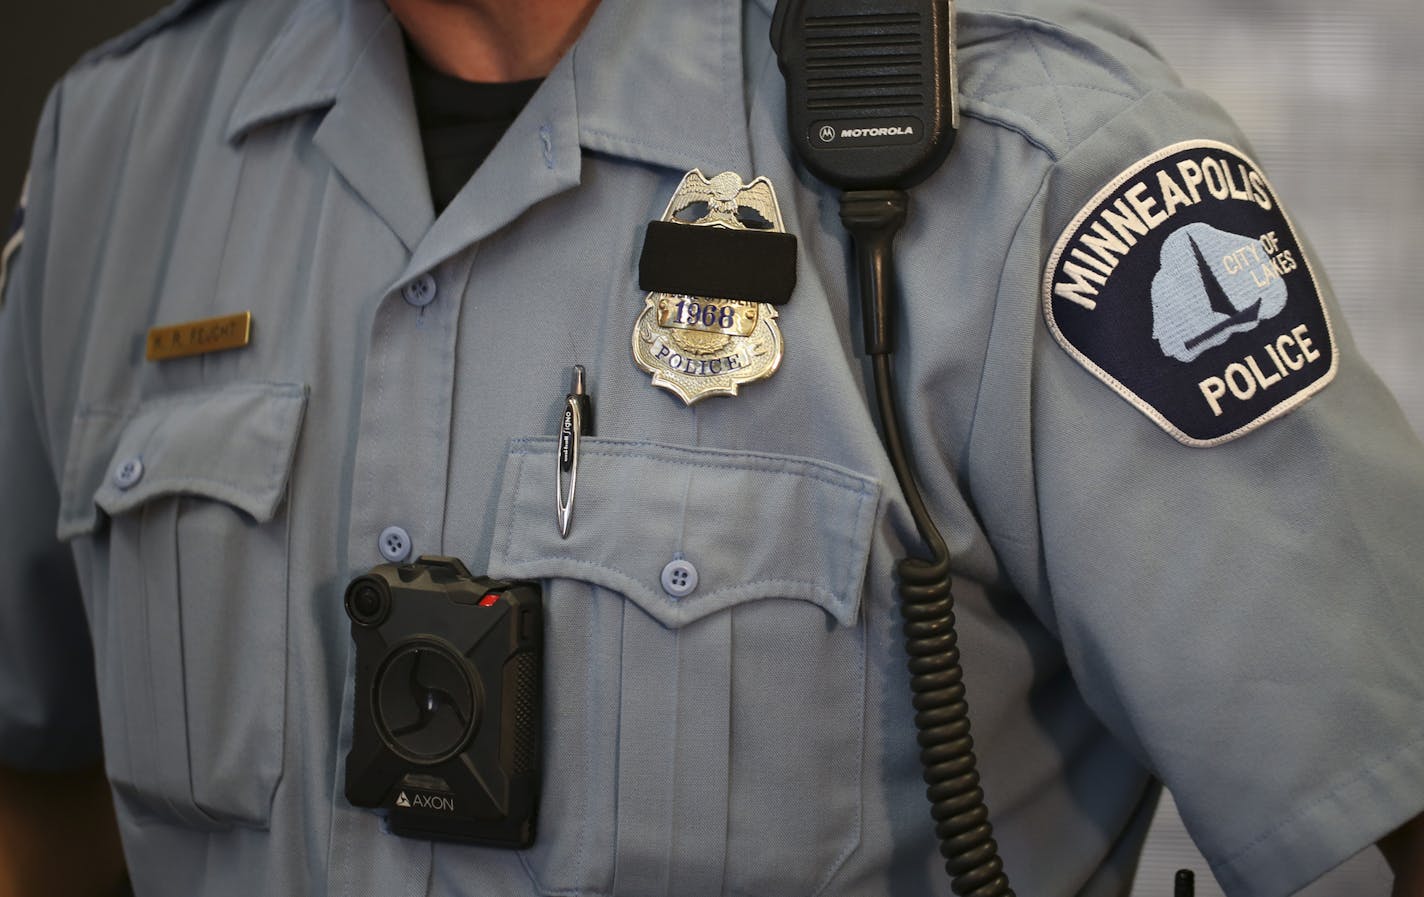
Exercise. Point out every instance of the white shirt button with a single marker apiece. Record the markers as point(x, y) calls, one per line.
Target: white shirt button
point(679, 578)
point(394, 544)
point(129, 472)
point(421, 291)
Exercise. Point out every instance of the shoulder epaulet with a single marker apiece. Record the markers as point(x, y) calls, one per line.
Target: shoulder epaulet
point(173, 12)
point(1052, 81)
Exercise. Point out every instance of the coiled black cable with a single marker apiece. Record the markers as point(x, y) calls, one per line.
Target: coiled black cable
point(966, 837)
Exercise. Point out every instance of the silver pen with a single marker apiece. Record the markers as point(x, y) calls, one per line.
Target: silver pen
point(575, 423)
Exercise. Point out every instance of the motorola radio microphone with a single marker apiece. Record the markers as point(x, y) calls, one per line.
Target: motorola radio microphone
point(872, 106)
point(870, 88)
point(872, 109)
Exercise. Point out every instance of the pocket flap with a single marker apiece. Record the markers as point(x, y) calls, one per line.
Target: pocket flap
point(753, 525)
point(234, 444)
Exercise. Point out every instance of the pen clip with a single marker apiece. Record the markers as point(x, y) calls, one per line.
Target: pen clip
point(572, 425)
point(570, 433)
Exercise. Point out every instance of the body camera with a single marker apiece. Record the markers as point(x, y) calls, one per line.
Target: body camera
point(446, 734)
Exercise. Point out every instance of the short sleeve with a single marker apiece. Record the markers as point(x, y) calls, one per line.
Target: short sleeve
point(1245, 610)
point(48, 708)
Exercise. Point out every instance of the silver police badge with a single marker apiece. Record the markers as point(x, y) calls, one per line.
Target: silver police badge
point(697, 346)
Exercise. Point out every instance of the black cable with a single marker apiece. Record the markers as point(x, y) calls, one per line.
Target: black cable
point(966, 837)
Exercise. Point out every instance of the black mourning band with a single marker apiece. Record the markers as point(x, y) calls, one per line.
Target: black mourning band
point(718, 262)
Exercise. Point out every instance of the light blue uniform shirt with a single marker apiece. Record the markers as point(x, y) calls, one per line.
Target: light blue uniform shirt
point(1244, 622)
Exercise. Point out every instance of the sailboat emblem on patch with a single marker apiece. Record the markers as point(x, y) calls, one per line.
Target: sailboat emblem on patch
point(1198, 305)
point(1183, 286)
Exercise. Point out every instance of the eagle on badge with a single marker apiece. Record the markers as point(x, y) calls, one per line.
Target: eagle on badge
point(725, 196)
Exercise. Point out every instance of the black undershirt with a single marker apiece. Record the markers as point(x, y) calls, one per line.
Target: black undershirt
point(460, 122)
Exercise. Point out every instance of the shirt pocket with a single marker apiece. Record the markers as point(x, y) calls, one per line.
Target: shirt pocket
point(698, 742)
point(188, 595)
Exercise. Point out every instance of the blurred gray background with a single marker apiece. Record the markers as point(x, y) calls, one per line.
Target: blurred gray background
point(1327, 93)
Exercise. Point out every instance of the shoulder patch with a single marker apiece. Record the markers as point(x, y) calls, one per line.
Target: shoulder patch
point(14, 235)
point(1183, 287)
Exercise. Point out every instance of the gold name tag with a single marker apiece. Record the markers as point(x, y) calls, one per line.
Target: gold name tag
point(199, 337)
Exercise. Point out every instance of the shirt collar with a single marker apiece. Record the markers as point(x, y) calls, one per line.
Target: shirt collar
point(305, 64)
point(657, 81)
point(661, 81)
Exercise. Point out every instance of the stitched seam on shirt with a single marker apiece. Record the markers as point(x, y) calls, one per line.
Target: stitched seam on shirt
point(1093, 87)
point(679, 152)
point(1057, 97)
point(787, 468)
point(823, 593)
point(824, 596)
point(991, 114)
point(380, 337)
point(998, 294)
point(226, 491)
point(845, 582)
point(999, 63)
point(1111, 67)
point(194, 485)
point(72, 465)
point(854, 834)
point(276, 387)
point(234, 493)
point(1045, 28)
point(829, 594)
point(1416, 740)
point(775, 471)
point(277, 469)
